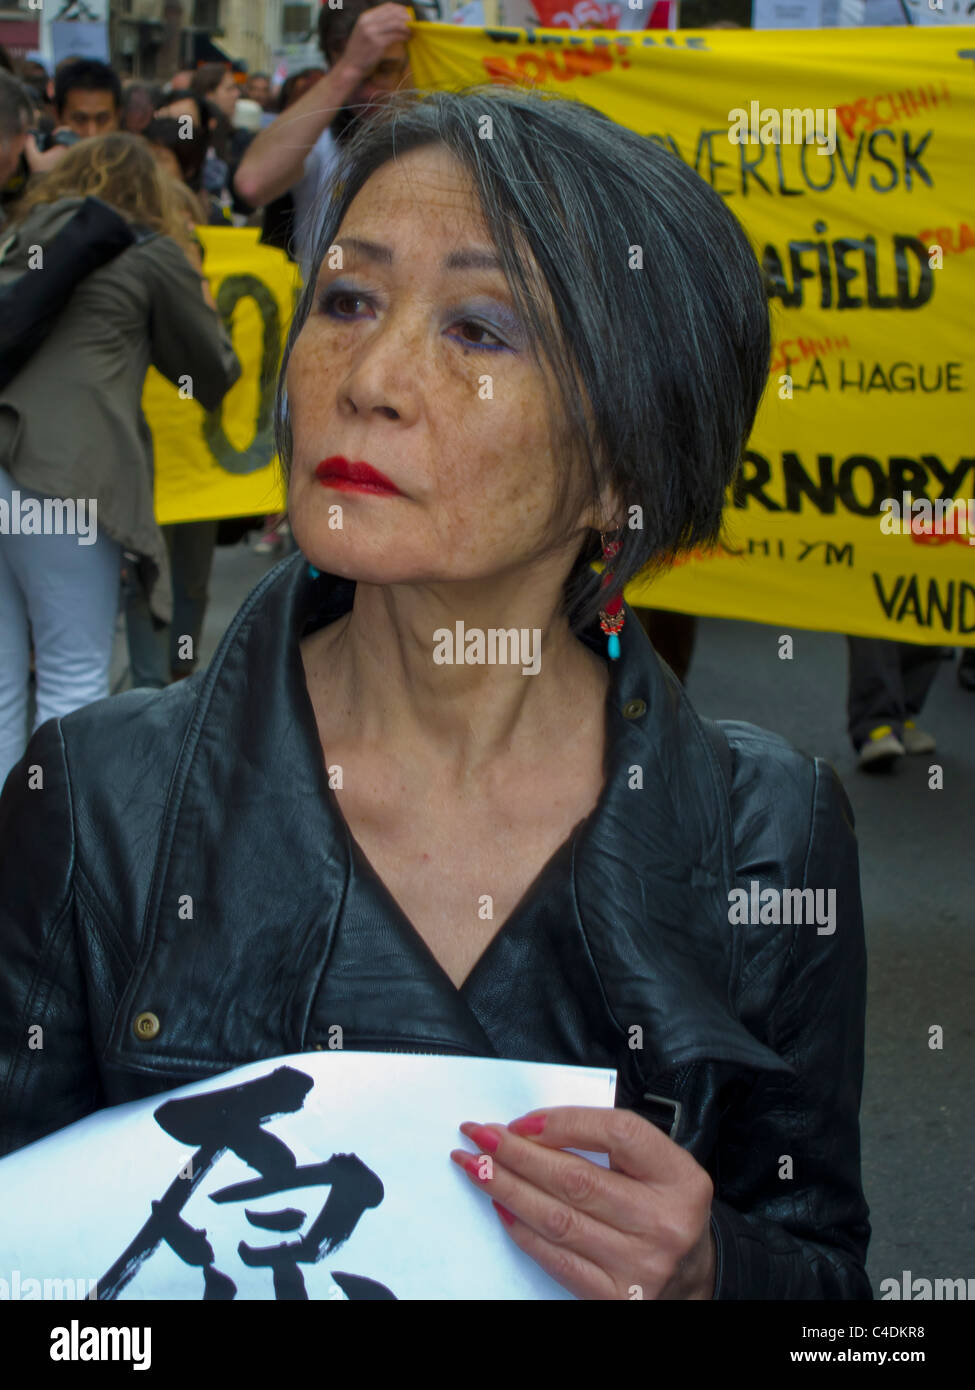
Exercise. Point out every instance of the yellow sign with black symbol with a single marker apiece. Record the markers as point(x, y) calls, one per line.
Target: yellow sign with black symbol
point(221, 463)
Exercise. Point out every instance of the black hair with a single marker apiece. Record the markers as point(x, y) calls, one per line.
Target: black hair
point(169, 97)
point(170, 134)
point(660, 341)
point(193, 155)
point(87, 75)
point(213, 122)
point(207, 78)
point(289, 84)
point(135, 90)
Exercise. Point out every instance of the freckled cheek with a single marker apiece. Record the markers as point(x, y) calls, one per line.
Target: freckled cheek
point(521, 457)
point(311, 390)
point(504, 486)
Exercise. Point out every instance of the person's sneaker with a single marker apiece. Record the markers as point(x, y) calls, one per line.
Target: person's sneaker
point(915, 740)
point(274, 537)
point(267, 542)
point(881, 749)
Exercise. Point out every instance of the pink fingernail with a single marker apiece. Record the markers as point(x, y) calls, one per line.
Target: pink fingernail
point(479, 1166)
point(503, 1212)
point(484, 1138)
point(529, 1124)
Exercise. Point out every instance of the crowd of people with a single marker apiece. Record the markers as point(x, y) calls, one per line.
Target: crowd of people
point(205, 148)
point(202, 149)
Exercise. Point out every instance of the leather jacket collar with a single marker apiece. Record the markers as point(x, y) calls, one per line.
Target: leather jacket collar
point(626, 927)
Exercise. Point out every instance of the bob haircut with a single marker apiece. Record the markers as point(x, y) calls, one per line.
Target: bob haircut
point(661, 342)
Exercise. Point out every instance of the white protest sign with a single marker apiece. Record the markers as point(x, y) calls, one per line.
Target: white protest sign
point(323, 1175)
point(948, 12)
point(72, 38)
point(787, 14)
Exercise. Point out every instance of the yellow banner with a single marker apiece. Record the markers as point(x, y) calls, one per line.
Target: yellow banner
point(870, 246)
point(221, 463)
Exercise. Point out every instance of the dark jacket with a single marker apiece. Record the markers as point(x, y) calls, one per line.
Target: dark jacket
point(186, 857)
point(71, 421)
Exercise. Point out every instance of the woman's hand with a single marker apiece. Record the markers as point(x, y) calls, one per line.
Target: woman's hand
point(375, 30)
point(638, 1230)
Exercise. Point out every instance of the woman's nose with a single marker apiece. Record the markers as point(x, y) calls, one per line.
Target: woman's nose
point(385, 372)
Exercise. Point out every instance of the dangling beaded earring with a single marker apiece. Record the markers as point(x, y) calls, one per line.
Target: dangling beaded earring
point(612, 617)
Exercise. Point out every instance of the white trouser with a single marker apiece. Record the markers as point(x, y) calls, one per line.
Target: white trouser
point(66, 594)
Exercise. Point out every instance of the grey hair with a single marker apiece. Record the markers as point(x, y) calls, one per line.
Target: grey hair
point(660, 367)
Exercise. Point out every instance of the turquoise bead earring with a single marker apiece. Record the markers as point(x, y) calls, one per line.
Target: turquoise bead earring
point(612, 617)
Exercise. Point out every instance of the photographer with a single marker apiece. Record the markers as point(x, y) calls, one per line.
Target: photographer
point(88, 101)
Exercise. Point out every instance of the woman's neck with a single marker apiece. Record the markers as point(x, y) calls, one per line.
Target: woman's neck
point(435, 671)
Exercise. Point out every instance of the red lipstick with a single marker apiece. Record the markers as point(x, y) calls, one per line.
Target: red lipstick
point(339, 473)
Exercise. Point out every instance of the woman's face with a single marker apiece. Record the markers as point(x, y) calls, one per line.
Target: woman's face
point(225, 95)
point(423, 372)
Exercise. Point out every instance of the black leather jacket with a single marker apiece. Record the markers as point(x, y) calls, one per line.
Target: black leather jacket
point(185, 856)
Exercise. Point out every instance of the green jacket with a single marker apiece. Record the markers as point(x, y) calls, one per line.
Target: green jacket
point(71, 421)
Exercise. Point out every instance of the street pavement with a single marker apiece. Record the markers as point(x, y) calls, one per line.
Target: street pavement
point(917, 861)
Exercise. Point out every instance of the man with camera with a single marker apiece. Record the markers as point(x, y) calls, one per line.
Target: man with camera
point(88, 101)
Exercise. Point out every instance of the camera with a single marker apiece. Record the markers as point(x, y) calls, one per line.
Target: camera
point(46, 139)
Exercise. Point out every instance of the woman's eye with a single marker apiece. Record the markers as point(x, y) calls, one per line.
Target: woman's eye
point(480, 328)
point(342, 305)
point(332, 298)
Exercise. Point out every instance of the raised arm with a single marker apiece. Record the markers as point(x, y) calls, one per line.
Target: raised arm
point(275, 160)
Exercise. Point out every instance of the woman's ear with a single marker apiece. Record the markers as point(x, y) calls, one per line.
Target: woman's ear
point(610, 514)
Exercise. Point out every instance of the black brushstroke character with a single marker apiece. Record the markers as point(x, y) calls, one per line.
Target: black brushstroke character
point(232, 1119)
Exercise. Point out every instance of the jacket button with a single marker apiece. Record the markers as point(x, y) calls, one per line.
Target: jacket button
point(634, 708)
point(146, 1026)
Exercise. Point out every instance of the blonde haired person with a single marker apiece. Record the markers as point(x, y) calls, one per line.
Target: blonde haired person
point(116, 169)
point(71, 426)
